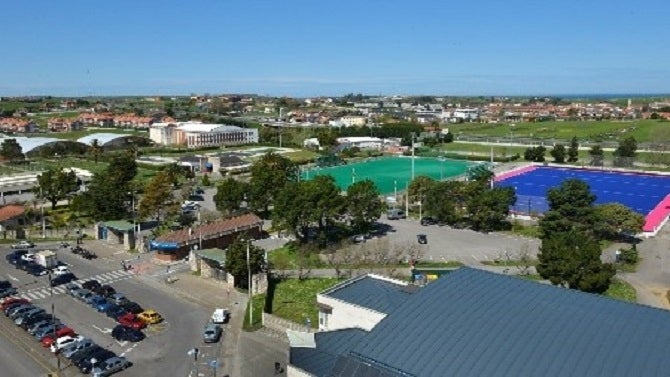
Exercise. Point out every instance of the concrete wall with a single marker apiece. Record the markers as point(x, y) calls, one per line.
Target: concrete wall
point(280, 325)
point(292, 371)
point(345, 315)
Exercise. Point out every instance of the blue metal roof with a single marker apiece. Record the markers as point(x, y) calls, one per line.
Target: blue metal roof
point(476, 323)
point(102, 137)
point(380, 295)
point(319, 361)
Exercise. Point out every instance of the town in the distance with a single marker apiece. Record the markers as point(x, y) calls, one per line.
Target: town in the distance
point(349, 236)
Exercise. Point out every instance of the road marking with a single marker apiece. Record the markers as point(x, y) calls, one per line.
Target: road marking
point(104, 331)
point(12, 277)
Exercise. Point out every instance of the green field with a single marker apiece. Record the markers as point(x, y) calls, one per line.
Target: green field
point(595, 131)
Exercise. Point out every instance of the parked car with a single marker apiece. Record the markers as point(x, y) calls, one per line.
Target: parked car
point(6, 292)
point(110, 366)
point(13, 300)
point(114, 311)
point(31, 321)
point(131, 320)
point(118, 298)
point(25, 244)
point(48, 330)
point(62, 279)
point(358, 238)
point(220, 315)
point(85, 365)
point(83, 353)
point(91, 285)
point(106, 290)
point(121, 333)
point(10, 309)
point(395, 214)
point(77, 347)
point(33, 312)
point(37, 327)
point(48, 339)
point(63, 341)
point(15, 312)
point(83, 294)
point(427, 220)
point(36, 270)
point(150, 316)
point(4, 284)
point(61, 270)
point(422, 239)
point(132, 307)
point(211, 333)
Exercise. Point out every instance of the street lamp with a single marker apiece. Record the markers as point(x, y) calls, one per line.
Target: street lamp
point(194, 352)
point(413, 137)
point(132, 213)
point(214, 364)
point(53, 316)
point(251, 304)
point(44, 225)
point(353, 175)
point(395, 193)
point(441, 159)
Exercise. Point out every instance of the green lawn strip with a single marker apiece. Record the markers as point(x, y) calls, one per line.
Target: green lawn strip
point(621, 290)
point(295, 299)
point(257, 318)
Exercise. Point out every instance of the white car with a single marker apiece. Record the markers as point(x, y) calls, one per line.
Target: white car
point(28, 257)
point(63, 342)
point(61, 270)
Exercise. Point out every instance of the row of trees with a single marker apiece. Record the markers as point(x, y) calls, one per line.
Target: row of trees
point(571, 235)
point(624, 155)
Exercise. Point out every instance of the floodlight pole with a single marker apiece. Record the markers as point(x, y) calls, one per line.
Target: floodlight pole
point(44, 225)
point(251, 304)
point(413, 136)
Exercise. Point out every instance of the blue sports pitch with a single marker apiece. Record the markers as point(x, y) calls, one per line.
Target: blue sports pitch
point(639, 192)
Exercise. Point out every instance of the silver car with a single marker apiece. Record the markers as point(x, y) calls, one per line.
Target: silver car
point(76, 347)
point(110, 366)
point(211, 333)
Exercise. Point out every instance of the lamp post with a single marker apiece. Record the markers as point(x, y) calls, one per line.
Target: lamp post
point(214, 364)
point(194, 352)
point(441, 167)
point(132, 213)
point(93, 362)
point(413, 136)
point(251, 304)
point(53, 317)
point(353, 175)
point(395, 193)
point(44, 225)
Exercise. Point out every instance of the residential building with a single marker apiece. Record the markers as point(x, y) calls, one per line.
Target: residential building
point(132, 121)
point(362, 142)
point(17, 125)
point(201, 135)
point(472, 322)
point(97, 119)
point(353, 121)
point(64, 125)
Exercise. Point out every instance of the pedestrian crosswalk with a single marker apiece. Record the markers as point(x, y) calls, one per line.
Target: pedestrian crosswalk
point(104, 278)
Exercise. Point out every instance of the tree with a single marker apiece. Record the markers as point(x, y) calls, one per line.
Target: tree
point(289, 211)
point(174, 173)
point(236, 261)
point(158, 200)
point(327, 139)
point(488, 207)
point(596, 152)
point(613, 219)
point(572, 259)
point(230, 194)
point(624, 155)
point(444, 201)
point(573, 150)
point(570, 209)
point(122, 168)
point(11, 150)
point(558, 153)
point(535, 154)
point(96, 150)
point(55, 185)
point(269, 175)
point(419, 187)
point(363, 205)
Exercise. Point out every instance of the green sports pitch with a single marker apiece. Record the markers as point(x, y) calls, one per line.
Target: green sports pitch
point(390, 173)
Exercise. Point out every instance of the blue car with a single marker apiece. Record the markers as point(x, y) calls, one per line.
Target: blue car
point(96, 300)
point(103, 306)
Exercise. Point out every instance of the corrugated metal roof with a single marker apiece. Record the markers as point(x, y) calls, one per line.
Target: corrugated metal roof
point(319, 361)
point(102, 137)
point(214, 229)
point(380, 295)
point(477, 323)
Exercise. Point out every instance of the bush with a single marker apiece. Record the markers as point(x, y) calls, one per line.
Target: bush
point(629, 256)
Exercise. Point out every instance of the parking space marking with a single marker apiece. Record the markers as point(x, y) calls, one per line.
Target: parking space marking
point(12, 277)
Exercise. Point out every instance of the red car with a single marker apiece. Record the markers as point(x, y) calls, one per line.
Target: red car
point(131, 320)
point(12, 300)
point(49, 339)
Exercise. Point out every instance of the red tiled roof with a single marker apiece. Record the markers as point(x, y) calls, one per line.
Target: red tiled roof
point(10, 211)
point(211, 230)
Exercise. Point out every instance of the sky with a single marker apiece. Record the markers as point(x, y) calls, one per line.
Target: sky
point(306, 48)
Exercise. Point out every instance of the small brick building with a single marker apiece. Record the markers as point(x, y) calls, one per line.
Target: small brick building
point(218, 234)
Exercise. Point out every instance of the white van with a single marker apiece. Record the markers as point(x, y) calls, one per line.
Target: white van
point(220, 316)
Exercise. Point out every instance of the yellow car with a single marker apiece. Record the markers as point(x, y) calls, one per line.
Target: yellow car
point(150, 317)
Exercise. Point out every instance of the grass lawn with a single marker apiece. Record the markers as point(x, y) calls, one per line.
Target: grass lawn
point(295, 299)
point(301, 156)
point(642, 130)
point(286, 258)
point(621, 290)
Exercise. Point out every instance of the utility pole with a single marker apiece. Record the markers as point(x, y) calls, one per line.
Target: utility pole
point(44, 225)
point(251, 304)
point(413, 136)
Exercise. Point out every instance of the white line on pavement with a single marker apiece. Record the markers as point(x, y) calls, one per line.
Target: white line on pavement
point(12, 277)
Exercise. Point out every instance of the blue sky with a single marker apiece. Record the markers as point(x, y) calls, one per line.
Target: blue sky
point(311, 47)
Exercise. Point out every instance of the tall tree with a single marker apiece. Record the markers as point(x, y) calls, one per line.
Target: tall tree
point(573, 150)
point(55, 185)
point(558, 153)
point(363, 205)
point(174, 173)
point(572, 259)
point(290, 210)
point(268, 176)
point(488, 208)
point(570, 209)
point(158, 200)
point(230, 194)
point(624, 155)
point(419, 187)
point(11, 151)
point(96, 150)
point(236, 261)
point(445, 201)
point(596, 152)
point(613, 219)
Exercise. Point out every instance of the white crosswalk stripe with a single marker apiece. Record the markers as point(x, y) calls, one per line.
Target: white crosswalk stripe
point(103, 278)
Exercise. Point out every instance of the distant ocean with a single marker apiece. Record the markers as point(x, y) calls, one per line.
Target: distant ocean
point(607, 96)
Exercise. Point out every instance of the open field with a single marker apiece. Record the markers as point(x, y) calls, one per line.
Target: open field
point(644, 131)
